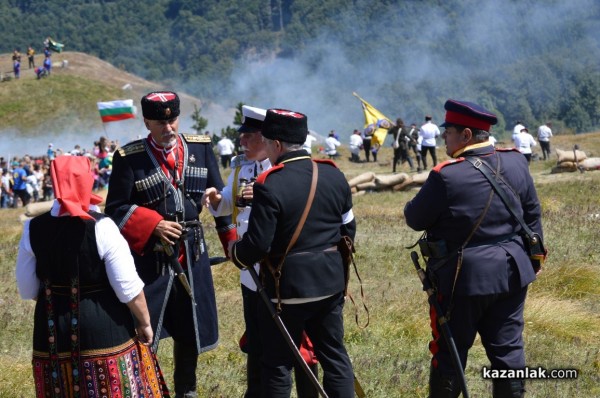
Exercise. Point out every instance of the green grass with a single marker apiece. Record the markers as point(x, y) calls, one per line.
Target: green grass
point(56, 103)
point(390, 356)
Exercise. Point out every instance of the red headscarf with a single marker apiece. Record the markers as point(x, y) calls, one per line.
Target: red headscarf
point(73, 183)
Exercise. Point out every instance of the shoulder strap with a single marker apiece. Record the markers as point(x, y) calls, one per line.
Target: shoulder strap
point(486, 171)
point(234, 193)
point(276, 271)
point(311, 196)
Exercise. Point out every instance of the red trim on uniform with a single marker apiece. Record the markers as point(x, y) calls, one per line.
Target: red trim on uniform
point(308, 351)
point(263, 176)
point(440, 166)
point(434, 346)
point(326, 161)
point(513, 149)
point(464, 120)
point(159, 156)
point(139, 227)
point(225, 237)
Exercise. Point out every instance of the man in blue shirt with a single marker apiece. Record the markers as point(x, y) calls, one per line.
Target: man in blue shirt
point(20, 185)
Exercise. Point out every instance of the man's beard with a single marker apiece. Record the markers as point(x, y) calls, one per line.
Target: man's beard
point(169, 144)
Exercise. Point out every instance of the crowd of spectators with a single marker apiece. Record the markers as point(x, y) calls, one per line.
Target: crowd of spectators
point(27, 179)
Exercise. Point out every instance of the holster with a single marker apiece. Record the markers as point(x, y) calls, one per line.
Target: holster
point(534, 247)
point(433, 249)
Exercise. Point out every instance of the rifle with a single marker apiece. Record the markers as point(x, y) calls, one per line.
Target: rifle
point(431, 291)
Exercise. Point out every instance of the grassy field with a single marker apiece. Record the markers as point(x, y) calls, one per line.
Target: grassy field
point(390, 356)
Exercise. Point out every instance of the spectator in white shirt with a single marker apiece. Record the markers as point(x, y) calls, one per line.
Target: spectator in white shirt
point(331, 144)
point(429, 132)
point(517, 129)
point(524, 142)
point(225, 148)
point(307, 146)
point(356, 143)
point(543, 135)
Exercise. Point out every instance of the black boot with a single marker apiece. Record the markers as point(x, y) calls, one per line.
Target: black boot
point(304, 386)
point(185, 360)
point(253, 376)
point(508, 388)
point(441, 386)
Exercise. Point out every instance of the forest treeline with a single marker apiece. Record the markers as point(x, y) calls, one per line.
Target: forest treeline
point(527, 60)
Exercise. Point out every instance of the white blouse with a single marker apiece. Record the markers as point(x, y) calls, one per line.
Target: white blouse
point(112, 248)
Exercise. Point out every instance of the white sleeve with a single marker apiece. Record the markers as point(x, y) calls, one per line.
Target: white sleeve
point(27, 281)
point(120, 268)
point(225, 207)
point(347, 217)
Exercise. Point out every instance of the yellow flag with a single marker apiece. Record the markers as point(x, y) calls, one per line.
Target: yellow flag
point(375, 122)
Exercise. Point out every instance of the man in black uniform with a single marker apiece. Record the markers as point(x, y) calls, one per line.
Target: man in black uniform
point(154, 197)
point(310, 289)
point(481, 266)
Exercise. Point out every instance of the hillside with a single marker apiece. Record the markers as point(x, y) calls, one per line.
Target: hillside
point(62, 108)
point(311, 55)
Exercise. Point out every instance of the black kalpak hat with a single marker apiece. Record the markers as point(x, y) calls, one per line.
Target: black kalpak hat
point(286, 126)
point(468, 114)
point(253, 119)
point(160, 105)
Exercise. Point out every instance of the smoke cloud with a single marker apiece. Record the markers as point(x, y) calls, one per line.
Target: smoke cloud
point(413, 60)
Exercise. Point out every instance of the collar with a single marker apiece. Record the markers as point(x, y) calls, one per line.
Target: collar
point(292, 156)
point(161, 148)
point(474, 148)
point(263, 165)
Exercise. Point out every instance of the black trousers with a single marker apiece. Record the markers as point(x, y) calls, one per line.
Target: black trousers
point(401, 155)
point(253, 348)
point(323, 322)
point(367, 148)
point(431, 150)
point(226, 161)
point(498, 318)
point(545, 149)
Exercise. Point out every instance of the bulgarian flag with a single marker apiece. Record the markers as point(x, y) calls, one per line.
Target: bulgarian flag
point(113, 111)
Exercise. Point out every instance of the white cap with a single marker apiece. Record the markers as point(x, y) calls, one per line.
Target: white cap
point(252, 119)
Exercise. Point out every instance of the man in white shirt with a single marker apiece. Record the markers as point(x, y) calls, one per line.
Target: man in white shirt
point(356, 143)
point(543, 135)
point(524, 142)
point(225, 148)
point(429, 132)
point(517, 129)
point(307, 146)
point(331, 143)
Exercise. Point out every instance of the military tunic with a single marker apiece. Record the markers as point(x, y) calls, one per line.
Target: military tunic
point(487, 293)
point(141, 193)
point(312, 278)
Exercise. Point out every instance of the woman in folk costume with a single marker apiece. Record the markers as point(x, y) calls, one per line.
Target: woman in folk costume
point(78, 267)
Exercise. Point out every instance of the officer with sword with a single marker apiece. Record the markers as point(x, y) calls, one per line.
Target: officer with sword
point(154, 197)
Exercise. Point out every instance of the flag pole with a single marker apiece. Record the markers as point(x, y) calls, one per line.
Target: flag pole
point(105, 132)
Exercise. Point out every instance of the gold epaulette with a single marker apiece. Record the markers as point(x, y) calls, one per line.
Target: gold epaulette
point(131, 148)
point(201, 138)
